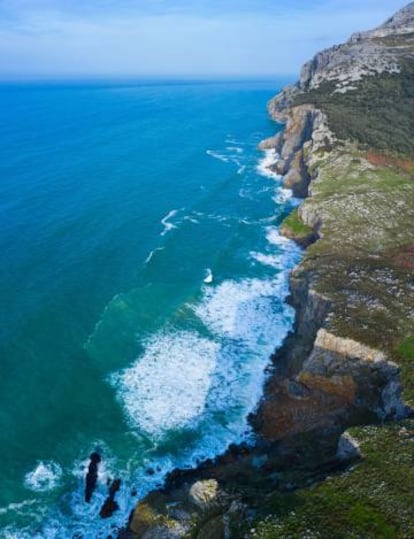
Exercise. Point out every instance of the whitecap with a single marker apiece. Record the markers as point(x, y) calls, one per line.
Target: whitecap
point(16, 507)
point(274, 261)
point(217, 155)
point(44, 477)
point(152, 253)
point(165, 222)
point(191, 220)
point(235, 149)
point(208, 279)
point(167, 387)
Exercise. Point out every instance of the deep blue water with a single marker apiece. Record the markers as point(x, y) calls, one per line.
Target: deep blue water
point(117, 201)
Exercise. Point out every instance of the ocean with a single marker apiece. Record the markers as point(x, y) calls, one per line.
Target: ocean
point(143, 287)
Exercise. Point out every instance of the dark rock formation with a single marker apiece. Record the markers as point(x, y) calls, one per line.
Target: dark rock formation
point(110, 505)
point(92, 476)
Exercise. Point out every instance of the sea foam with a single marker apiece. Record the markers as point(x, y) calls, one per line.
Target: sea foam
point(167, 387)
point(45, 476)
point(269, 159)
point(166, 223)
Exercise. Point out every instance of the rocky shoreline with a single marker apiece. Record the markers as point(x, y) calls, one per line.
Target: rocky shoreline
point(345, 363)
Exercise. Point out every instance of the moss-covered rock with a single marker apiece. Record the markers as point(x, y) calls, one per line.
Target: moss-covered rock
point(294, 228)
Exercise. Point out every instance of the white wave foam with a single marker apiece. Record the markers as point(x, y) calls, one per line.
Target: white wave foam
point(165, 222)
point(191, 220)
point(270, 158)
point(44, 477)
point(242, 310)
point(235, 149)
point(167, 387)
point(152, 253)
point(209, 276)
point(274, 237)
point(16, 507)
point(282, 195)
point(217, 155)
point(274, 261)
point(231, 140)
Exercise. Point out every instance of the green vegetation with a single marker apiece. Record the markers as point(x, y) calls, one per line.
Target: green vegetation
point(406, 348)
point(295, 225)
point(363, 211)
point(373, 500)
point(378, 114)
point(405, 356)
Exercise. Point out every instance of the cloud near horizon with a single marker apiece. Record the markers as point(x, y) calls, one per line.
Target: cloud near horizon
point(198, 38)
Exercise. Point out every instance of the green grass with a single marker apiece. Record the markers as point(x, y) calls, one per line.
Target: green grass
point(373, 500)
point(295, 225)
point(406, 348)
point(405, 356)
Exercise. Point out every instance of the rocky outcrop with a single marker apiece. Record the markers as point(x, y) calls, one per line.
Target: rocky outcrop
point(365, 54)
point(110, 504)
point(92, 476)
point(353, 302)
point(203, 494)
point(401, 23)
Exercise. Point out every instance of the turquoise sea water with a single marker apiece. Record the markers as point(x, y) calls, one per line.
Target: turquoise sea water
point(142, 285)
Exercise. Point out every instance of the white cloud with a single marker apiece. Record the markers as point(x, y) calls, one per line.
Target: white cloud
point(45, 42)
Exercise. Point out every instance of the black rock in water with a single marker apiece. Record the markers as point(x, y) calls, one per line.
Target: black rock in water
point(110, 505)
point(92, 476)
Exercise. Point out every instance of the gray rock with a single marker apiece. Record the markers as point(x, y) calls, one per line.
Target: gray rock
point(348, 447)
point(203, 494)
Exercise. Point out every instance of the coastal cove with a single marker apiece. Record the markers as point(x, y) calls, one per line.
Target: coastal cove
point(145, 294)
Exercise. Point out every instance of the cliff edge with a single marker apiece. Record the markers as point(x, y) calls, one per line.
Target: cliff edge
point(335, 438)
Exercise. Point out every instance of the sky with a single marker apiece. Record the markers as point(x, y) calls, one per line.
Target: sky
point(175, 38)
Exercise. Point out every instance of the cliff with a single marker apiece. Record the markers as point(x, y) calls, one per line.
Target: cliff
point(348, 150)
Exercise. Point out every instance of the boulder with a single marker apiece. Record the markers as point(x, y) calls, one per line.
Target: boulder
point(203, 494)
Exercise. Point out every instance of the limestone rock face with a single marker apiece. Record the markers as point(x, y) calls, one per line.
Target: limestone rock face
point(400, 23)
point(348, 448)
point(203, 494)
point(278, 107)
point(346, 64)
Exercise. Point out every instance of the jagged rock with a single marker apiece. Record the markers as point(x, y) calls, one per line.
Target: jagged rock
point(110, 505)
point(400, 23)
point(204, 493)
point(298, 178)
point(92, 476)
point(272, 143)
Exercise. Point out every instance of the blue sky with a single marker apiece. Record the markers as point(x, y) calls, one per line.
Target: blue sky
point(195, 38)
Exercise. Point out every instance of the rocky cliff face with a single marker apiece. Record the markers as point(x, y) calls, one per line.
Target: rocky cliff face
point(346, 363)
point(346, 373)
